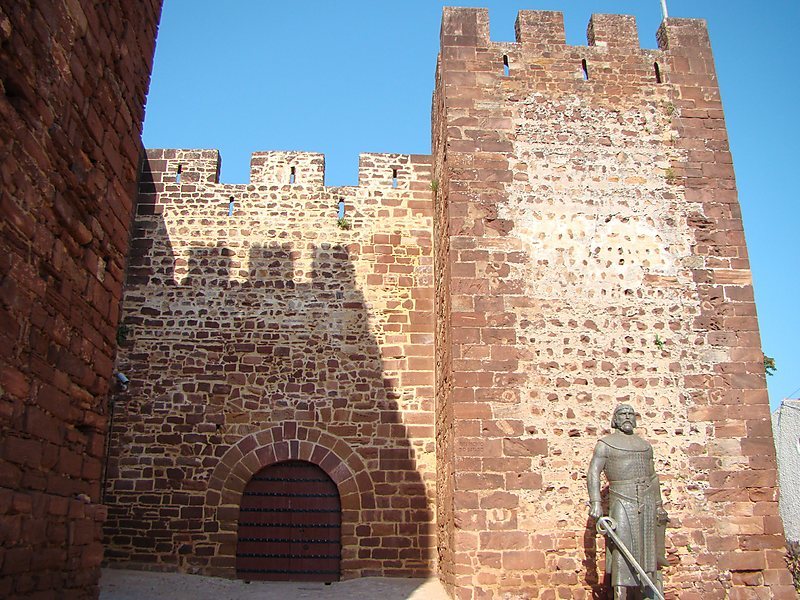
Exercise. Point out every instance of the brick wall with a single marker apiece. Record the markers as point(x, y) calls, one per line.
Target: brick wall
point(593, 254)
point(74, 78)
point(261, 330)
point(443, 364)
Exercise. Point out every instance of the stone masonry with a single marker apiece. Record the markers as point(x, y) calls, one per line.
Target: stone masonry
point(589, 250)
point(73, 79)
point(261, 327)
point(447, 351)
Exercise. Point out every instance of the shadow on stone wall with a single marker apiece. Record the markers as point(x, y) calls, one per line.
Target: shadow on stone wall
point(222, 348)
point(594, 577)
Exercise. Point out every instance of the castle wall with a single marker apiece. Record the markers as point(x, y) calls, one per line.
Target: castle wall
point(445, 475)
point(594, 255)
point(74, 79)
point(261, 328)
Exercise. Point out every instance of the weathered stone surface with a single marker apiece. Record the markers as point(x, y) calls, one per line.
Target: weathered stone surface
point(574, 241)
point(589, 250)
point(74, 79)
point(259, 329)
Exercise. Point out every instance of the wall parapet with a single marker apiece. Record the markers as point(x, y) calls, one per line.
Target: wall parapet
point(463, 27)
point(164, 167)
point(175, 165)
point(288, 167)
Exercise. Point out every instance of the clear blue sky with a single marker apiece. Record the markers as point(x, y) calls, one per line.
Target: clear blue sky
point(349, 76)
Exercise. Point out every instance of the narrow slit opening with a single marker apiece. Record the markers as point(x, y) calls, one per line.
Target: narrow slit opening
point(657, 70)
point(230, 207)
point(585, 70)
point(394, 178)
point(341, 210)
point(292, 175)
point(505, 65)
point(178, 174)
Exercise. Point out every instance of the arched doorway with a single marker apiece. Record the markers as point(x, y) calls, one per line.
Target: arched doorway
point(289, 525)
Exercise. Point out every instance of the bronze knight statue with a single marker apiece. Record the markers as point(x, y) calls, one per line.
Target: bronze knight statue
point(635, 512)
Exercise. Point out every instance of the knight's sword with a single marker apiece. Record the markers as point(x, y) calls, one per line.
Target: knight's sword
point(606, 526)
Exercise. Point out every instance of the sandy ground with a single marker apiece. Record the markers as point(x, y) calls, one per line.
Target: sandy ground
point(120, 584)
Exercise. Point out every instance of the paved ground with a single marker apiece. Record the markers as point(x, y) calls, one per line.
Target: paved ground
point(119, 584)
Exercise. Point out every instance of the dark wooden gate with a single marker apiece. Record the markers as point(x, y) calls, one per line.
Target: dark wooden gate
point(289, 525)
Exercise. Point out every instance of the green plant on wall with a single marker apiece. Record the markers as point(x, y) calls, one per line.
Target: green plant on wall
point(769, 365)
point(659, 342)
point(342, 223)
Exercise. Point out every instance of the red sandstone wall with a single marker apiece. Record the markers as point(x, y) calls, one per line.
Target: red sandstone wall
point(596, 255)
point(268, 334)
point(445, 476)
point(74, 78)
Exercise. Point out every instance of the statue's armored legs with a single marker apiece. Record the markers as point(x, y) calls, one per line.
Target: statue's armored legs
point(622, 592)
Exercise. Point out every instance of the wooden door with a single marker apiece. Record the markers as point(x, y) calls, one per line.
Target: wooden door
point(289, 525)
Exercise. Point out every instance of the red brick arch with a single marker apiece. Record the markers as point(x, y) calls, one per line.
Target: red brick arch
point(287, 441)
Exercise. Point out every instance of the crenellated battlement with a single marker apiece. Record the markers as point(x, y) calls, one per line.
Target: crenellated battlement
point(463, 27)
point(398, 171)
point(287, 186)
point(282, 168)
point(169, 168)
point(611, 66)
point(540, 27)
point(677, 34)
point(172, 165)
point(613, 31)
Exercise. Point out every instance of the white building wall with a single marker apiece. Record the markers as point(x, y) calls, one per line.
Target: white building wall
point(786, 429)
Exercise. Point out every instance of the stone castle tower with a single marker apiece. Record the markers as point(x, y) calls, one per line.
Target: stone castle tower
point(409, 375)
